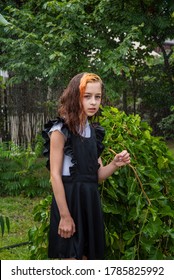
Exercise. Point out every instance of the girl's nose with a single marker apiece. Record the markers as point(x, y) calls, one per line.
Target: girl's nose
point(93, 100)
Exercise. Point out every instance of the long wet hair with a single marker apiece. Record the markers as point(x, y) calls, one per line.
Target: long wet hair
point(71, 108)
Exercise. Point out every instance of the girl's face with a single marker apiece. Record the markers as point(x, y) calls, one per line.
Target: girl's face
point(92, 98)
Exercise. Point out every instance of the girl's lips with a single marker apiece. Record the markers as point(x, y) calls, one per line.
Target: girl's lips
point(91, 109)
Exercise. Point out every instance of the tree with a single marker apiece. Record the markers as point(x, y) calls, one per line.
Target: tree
point(53, 40)
point(48, 42)
point(60, 32)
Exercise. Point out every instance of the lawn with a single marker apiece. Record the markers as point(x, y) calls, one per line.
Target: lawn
point(19, 210)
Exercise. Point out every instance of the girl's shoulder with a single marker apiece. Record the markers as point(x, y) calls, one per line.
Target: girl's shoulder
point(53, 125)
point(56, 124)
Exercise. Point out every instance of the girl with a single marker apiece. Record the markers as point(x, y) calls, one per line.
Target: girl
point(76, 223)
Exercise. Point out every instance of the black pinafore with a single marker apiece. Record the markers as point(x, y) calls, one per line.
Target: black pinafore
point(83, 199)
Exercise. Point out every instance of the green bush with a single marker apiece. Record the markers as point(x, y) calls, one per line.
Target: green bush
point(22, 170)
point(138, 200)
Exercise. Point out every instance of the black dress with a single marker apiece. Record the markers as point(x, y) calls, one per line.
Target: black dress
point(83, 199)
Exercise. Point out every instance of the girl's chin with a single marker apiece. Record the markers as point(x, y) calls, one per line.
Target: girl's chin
point(91, 113)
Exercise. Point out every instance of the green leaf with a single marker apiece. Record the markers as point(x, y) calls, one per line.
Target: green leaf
point(3, 21)
point(110, 209)
point(147, 134)
point(153, 228)
point(162, 162)
point(129, 236)
point(171, 232)
point(2, 225)
point(154, 213)
point(7, 221)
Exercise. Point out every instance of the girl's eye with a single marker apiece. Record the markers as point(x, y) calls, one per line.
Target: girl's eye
point(88, 96)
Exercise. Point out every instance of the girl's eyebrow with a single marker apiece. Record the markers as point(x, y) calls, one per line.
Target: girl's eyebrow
point(94, 93)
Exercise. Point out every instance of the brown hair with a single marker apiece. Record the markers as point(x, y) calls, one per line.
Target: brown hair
point(71, 108)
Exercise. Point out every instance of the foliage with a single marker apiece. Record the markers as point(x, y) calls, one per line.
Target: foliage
point(38, 235)
point(138, 200)
point(167, 125)
point(3, 21)
point(156, 93)
point(52, 40)
point(4, 222)
point(20, 170)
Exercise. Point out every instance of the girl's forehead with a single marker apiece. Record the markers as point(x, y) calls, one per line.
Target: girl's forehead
point(93, 87)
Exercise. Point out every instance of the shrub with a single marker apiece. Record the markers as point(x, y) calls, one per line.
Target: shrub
point(20, 170)
point(138, 200)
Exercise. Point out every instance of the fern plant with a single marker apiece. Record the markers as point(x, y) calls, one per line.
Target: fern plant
point(21, 169)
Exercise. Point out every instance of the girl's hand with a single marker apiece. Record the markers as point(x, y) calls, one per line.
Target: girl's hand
point(122, 159)
point(66, 227)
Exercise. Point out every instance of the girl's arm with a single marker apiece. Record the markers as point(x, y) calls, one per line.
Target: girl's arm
point(66, 227)
point(119, 160)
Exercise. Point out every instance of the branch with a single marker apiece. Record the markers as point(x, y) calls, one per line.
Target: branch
point(137, 177)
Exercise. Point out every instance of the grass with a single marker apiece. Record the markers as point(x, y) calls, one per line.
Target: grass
point(19, 210)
